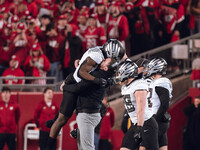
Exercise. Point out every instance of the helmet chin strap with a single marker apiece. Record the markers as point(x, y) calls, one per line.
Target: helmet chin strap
point(104, 53)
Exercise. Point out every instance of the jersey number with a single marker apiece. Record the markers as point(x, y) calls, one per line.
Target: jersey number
point(128, 103)
point(149, 98)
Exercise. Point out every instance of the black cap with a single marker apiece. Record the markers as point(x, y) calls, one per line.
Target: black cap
point(198, 97)
point(5, 89)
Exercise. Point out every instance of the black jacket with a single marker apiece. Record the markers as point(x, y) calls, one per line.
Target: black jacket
point(193, 126)
point(90, 95)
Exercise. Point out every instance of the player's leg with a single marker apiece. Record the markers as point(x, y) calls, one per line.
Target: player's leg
point(150, 135)
point(162, 135)
point(128, 142)
point(67, 107)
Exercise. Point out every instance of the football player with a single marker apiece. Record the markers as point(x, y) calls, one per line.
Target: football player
point(134, 93)
point(160, 93)
point(89, 62)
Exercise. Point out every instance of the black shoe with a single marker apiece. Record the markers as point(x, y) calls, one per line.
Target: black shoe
point(49, 123)
point(73, 133)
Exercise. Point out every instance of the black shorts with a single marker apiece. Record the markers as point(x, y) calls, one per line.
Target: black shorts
point(69, 100)
point(128, 140)
point(162, 133)
point(149, 136)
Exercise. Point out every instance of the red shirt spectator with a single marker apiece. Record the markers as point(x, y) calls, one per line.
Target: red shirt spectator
point(6, 38)
point(37, 64)
point(107, 124)
point(46, 110)
point(171, 13)
point(118, 24)
point(106, 127)
point(55, 44)
point(14, 71)
point(94, 35)
point(32, 7)
point(9, 113)
point(103, 15)
point(22, 43)
point(82, 25)
point(71, 11)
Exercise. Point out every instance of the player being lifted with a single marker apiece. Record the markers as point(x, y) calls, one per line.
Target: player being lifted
point(134, 92)
point(89, 62)
point(160, 93)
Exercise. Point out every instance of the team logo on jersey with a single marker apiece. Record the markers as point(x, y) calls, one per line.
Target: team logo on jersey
point(1, 108)
point(53, 107)
point(108, 114)
point(44, 107)
point(11, 108)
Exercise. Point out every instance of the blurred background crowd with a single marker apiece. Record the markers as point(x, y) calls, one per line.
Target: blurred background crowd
point(44, 37)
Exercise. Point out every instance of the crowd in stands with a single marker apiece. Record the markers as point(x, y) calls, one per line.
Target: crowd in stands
point(47, 36)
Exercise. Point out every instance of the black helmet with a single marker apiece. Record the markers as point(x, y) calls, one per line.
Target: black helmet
point(126, 70)
point(156, 65)
point(114, 49)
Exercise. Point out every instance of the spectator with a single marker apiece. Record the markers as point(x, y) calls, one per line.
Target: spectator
point(102, 13)
point(6, 38)
point(14, 71)
point(71, 51)
point(106, 127)
point(45, 110)
point(41, 35)
point(37, 64)
point(171, 18)
point(45, 20)
point(32, 8)
point(32, 29)
point(9, 117)
point(71, 11)
point(20, 7)
point(94, 35)
point(62, 24)
point(117, 24)
point(192, 134)
point(141, 16)
point(55, 44)
point(4, 11)
point(82, 25)
point(14, 21)
point(21, 43)
point(193, 9)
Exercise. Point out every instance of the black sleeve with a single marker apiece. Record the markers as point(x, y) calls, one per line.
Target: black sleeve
point(77, 87)
point(83, 85)
point(188, 110)
point(164, 98)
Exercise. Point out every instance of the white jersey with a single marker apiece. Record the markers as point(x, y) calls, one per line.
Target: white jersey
point(152, 96)
point(129, 99)
point(95, 54)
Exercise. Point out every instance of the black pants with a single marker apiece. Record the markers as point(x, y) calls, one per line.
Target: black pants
point(105, 145)
point(149, 136)
point(43, 138)
point(8, 139)
point(69, 100)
